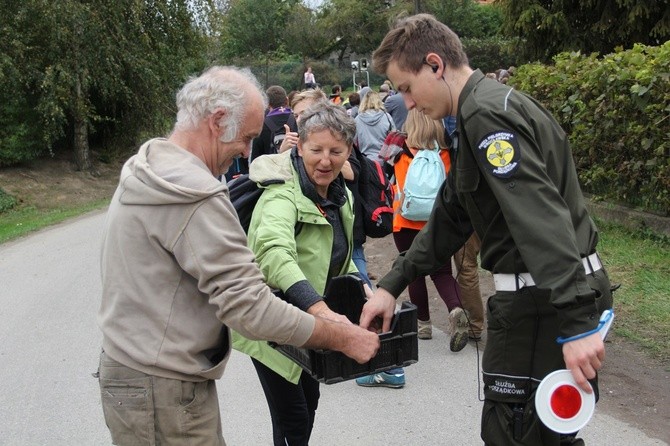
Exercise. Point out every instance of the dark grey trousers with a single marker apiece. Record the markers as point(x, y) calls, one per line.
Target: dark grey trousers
point(521, 349)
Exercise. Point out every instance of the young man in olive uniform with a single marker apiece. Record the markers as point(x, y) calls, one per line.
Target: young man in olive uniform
point(513, 182)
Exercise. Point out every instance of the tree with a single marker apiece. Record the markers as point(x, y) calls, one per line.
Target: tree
point(305, 37)
point(85, 65)
point(253, 28)
point(467, 18)
point(549, 27)
point(358, 26)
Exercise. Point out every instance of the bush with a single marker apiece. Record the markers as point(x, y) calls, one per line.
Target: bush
point(489, 54)
point(616, 110)
point(7, 201)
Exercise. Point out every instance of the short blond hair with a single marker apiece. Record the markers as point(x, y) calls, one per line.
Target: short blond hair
point(371, 101)
point(314, 94)
point(422, 131)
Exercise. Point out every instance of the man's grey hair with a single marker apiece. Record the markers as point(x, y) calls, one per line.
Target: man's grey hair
point(324, 115)
point(220, 87)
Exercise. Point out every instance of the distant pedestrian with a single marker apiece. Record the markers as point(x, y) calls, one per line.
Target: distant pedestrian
point(373, 123)
point(309, 79)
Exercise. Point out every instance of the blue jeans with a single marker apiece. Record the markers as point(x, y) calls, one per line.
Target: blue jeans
point(358, 256)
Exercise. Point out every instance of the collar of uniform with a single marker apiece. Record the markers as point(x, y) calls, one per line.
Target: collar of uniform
point(470, 85)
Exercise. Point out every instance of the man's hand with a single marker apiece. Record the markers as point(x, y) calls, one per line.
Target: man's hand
point(362, 345)
point(382, 304)
point(290, 140)
point(359, 344)
point(583, 357)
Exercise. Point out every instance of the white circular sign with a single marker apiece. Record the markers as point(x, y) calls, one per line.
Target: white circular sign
point(561, 404)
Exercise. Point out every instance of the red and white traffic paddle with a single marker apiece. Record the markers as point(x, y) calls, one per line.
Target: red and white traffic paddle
point(560, 403)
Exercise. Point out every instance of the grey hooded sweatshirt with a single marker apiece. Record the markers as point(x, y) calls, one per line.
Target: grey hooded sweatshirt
point(372, 126)
point(177, 273)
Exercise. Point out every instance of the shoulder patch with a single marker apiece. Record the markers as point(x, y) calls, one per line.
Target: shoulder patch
point(499, 153)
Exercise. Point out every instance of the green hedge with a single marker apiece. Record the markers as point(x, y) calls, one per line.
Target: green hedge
point(6, 201)
point(616, 110)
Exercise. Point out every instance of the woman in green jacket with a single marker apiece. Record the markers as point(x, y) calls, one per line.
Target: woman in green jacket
point(301, 233)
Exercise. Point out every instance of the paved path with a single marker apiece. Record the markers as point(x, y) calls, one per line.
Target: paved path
point(49, 344)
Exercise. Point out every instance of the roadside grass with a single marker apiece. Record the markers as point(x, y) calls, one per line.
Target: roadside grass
point(640, 263)
point(23, 220)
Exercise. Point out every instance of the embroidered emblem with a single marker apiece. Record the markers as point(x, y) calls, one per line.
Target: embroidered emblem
point(500, 153)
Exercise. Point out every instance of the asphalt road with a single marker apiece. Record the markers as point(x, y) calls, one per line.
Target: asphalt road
point(49, 346)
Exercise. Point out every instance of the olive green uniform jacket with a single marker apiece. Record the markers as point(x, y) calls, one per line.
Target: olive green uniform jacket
point(516, 185)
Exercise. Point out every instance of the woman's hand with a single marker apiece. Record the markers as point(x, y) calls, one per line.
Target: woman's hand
point(320, 309)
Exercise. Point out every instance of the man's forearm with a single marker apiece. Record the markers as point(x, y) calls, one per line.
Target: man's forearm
point(327, 334)
point(350, 339)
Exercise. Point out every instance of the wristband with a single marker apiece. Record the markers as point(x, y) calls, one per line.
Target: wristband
point(603, 326)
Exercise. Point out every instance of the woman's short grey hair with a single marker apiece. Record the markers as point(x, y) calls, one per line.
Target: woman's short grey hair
point(219, 87)
point(324, 115)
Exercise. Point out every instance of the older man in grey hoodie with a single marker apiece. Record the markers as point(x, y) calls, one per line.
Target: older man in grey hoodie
point(177, 274)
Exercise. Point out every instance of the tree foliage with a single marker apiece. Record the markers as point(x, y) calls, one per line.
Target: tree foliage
point(548, 27)
point(358, 26)
point(616, 110)
point(87, 66)
point(467, 18)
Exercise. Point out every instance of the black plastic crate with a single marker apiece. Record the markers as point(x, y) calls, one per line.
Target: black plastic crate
point(399, 347)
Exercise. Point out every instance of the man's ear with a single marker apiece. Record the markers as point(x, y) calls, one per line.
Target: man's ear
point(435, 62)
point(299, 145)
point(214, 121)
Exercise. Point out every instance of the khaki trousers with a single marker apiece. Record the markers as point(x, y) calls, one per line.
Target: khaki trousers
point(146, 410)
point(468, 279)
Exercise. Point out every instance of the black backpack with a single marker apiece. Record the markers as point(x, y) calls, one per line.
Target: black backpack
point(244, 194)
point(278, 132)
point(376, 196)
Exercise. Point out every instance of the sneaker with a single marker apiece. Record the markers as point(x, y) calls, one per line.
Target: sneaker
point(425, 329)
point(458, 325)
point(383, 379)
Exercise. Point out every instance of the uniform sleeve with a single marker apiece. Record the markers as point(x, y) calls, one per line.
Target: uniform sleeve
point(518, 165)
point(446, 232)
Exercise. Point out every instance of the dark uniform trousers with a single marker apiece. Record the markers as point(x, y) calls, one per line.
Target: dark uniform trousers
point(520, 350)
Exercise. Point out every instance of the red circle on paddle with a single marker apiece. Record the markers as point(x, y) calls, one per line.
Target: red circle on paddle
point(565, 401)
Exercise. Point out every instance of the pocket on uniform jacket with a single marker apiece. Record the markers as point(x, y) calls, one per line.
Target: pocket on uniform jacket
point(600, 283)
point(467, 180)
